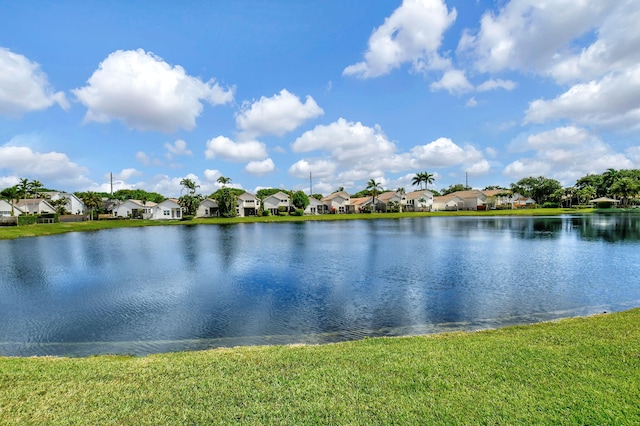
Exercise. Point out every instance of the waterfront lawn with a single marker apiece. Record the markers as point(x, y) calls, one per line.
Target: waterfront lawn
point(574, 371)
point(11, 232)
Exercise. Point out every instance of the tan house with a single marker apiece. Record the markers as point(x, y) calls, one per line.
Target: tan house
point(35, 206)
point(208, 208)
point(274, 202)
point(248, 205)
point(338, 202)
point(419, 201)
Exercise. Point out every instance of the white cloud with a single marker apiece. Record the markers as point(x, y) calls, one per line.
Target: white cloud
point(24, 87)
point(226, 149)
point(565, 154)
point(318, 169)
point(611, 101)
point(533, 35)
point(412, 34)
point(126, 174)
point(471, 102)
point(453, 81)
point(146, 93)
point(178, 148)
point(443, 152)
point(53, 169)
point(211, 175)
point(497, 84)
point(260, 168)
point(276, 115)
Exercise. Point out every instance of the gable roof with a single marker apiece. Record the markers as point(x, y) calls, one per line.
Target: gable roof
point(415, 195)
point(247, 196)
point(338, 194)
point(386, 196)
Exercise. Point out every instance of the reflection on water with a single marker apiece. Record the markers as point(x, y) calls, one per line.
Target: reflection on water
point(159, 289)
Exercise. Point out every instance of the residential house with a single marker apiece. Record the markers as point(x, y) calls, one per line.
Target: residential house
point(524, 202)
point(500, 198)
point(248, 205)
point(6, 209)
point(274, 202)
point(74, 204)
point(390, 200)
point(135, 209)
point(419, 201)
point(167, 209)
point(315, 207)
point(449, 202)
point(472, 199)
point(338, 202)
point(35, 206)
point(361, 204)
point(208, 208)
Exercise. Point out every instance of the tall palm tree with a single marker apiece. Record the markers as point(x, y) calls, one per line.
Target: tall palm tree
point(625, 188)
point(23, 187)
point(34, 188)
point(418, 179)
point(11, 195)
point(224, 181)
point(401, 192)
point(427, 178)
point(375, 189)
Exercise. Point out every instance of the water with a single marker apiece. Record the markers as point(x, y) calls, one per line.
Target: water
point(159, 289)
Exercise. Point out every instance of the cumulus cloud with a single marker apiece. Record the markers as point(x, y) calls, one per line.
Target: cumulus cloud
point(532, 35)
point(126, 174)
point(566, 154)
point(54, 169)
point(146, 93)
point(277, 115)
point(260, 168)
point(24, 87)
point(317, 168)
point(497, 84)
point(453, 81)
point(611, 101)
point(412, 34)
point(443, 152)
point(178, 148)
point(226, 149)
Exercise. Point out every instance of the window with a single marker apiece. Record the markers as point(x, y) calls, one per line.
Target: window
point(166, 212)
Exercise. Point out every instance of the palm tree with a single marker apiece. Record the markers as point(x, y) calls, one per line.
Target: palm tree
point(402, 193)
point(92, 201)
point(427, 179)
point(224, 181)
point(375, 189)
point(422, 177)
point(418, 179)
point(11, 195)
point(190, 185)
point(625, 188)
point(34, 188)
point(23, 186)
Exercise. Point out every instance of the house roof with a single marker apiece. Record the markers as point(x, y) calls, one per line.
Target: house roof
point(32, 202)
point(604, 200)
point(140, 203)
point(470, 193)
point(386, 196)
point(280, 196)
point(415, 195)
point(247, 196)
point(360, 201)
point(340, 194)
point(495, 192)
point(446, 198)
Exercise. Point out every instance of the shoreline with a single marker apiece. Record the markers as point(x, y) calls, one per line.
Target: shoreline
point(13, 232)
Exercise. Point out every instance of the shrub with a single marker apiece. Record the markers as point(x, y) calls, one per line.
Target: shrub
point(187, 217)
point(298, 212)
point(550, 205)
point(28, 219)
point(266, 213)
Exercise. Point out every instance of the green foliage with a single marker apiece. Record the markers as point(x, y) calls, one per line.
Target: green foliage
point(190, 203)
point(455, 188)
point(265, 213)
point(227, 201)
point(300, 200)
point(540, 188)
point(282, 210)
point(265, 192)
point(298, 212)
point(138, 194)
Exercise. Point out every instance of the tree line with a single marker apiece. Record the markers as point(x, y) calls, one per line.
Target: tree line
point(623, 185)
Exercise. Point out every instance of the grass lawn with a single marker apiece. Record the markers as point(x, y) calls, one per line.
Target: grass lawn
point(576, 371)
point(11, 232)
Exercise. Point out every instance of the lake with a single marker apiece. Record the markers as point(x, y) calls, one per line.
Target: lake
point(172, 288)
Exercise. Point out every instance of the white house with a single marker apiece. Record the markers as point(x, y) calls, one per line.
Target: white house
point(208, 208)
point(338, 202)
point(386, 200)
point(448, 202)
point(273, 202)
point(167, 209)
point(6, 209)
point(315, 207)
point(35, 206)
point(421, 200)
point(74, 204)
point(248, 205)
point(134, 209)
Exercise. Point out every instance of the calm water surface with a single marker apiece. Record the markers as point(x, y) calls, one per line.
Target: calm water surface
point(160, 289)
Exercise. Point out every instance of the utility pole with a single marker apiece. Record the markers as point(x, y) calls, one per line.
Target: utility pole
point(310, 185)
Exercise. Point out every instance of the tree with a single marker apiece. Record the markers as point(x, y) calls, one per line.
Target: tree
point(300, 200)
point(23, 187)
point(60, 205)
point(91, 200)
point(224, 181)
point(422, 177)
point(190, 201)
point(539, 188)
point(375, 189)
point(625, 188)
point(455, 188)
point(585, 194)
point(11, 195)
point(401, 192)
point(34, 188)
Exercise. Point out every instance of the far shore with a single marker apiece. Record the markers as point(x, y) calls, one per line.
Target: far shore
point(12, 232)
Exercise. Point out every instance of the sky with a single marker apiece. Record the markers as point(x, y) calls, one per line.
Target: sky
point(323, 94)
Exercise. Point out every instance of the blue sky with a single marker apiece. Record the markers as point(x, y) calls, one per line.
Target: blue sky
point(267, 92)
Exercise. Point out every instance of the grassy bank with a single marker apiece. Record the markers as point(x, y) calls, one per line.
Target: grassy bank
point(574, 371)
point(11, 232)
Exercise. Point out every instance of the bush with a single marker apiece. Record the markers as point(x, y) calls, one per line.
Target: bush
point(28, 219)
point(298, 212)
point(187, 217)
point(266, 213)
point(550, 205)
point(282, 211)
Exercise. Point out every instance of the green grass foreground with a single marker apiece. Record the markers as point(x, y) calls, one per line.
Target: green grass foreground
point(576, 371)
point(11, 232)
